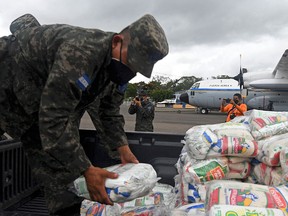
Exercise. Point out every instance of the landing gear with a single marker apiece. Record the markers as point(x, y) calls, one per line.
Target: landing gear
point(204, 111)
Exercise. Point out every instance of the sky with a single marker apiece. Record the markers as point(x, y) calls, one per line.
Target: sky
point(206, 37)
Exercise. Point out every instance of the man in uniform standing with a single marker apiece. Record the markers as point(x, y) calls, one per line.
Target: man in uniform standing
point(51, 72)
point(144, 110)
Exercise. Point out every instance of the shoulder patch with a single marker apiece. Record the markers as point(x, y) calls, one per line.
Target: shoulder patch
point(83, 82)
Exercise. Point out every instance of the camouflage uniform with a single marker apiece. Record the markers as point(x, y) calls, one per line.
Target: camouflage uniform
point(144, 115)
point(105, 115)
point(50, 74)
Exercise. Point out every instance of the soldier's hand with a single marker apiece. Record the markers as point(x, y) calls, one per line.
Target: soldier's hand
point(126, 155)
point(95, 180)
point(138, 103)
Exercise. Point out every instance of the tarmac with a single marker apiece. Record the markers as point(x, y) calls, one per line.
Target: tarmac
point(167, 119)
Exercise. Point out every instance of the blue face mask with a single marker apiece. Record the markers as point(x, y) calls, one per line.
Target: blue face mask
point(119, 72)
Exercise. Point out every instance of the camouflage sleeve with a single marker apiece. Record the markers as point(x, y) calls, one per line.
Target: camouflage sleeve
point(132, 109)
point(111, 120)
point(60, 96)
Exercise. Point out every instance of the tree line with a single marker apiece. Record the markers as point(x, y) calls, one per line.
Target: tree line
point(161, 87)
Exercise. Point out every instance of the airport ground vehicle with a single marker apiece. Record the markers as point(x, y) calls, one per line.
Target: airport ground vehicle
point(20, 194)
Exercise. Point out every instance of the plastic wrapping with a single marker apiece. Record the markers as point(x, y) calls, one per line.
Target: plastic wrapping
point(238, 170)
point(268, 175)
point(270, 149)
point(232, 129)
point(228, 210)
point(150, 210)
point(284, 164)
point(91, 208)
point(198, 140)
point(135, 180)
point(234, 146)
point(205, 170)
point(264, 124)
point(194, 209)
point(245, 194)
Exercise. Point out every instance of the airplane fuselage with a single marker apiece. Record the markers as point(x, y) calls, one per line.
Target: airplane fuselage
point(208, 95)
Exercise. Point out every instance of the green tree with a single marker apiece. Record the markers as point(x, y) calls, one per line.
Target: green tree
point(131, 90)
point(221, 77)
point(161, 94)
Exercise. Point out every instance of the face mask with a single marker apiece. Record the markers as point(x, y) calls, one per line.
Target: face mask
point(119, 72)
point(236, 101)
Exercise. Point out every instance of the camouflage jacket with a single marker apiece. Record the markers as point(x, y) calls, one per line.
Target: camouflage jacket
point(105, 115)
point(62, 70)
point(144, 115)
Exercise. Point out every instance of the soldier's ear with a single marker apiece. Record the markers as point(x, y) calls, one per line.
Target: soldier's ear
point(116, 39)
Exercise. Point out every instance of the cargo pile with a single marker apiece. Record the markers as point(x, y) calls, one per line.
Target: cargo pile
point(234, 168)
point(238, 164)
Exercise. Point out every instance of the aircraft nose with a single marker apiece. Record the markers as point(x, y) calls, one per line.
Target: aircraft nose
point(184, 98)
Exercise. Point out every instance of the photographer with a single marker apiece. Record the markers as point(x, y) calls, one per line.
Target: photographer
point(144, 110)
point(233, 107)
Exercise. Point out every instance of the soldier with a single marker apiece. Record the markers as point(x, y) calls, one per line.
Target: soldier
point(144, 110)
point(51, 72)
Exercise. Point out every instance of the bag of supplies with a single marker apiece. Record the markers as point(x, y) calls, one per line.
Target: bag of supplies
point(134, 180)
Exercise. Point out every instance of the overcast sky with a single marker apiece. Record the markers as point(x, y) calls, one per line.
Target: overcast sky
point(206, 37)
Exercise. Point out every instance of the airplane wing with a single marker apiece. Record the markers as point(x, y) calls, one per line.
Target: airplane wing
point(279, 79)
point(281, 70)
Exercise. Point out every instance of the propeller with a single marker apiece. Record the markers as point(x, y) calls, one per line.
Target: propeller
point(239, 77)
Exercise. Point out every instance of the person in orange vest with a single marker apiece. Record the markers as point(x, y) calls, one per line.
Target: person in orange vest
point(234, 107)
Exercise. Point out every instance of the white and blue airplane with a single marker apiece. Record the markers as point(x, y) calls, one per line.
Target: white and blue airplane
point(260, 90)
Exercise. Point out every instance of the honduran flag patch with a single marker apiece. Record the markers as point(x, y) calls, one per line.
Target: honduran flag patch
point(83, 82)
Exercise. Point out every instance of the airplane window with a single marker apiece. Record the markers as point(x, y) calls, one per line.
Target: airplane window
point(195, 86)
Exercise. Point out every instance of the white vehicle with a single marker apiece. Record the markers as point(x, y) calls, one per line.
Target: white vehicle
point(265, 91)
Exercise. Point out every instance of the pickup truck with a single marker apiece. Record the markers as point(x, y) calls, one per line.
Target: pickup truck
point(20, 194)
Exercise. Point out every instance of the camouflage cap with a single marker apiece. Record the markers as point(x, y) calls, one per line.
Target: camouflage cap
point(147, 45)
point(25, 21)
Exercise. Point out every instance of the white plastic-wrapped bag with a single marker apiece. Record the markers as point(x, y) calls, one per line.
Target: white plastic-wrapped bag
point(238, 170)
point(200, 171)
point(266, 123)
point(183, 158)
point(284, 164)
point(150, 210)
point(245, 194)
point(198, 140)
point(232, 129)
point(268, 175)
point(270, 149)
point(161, 194)
point(233, 210)
point(189, 210)
point(92, 208)
point(134, 180)
point(187, 192)
point(169, 195)
point(234, 146)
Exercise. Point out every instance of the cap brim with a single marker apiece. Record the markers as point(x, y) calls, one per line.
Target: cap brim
point(138, 63)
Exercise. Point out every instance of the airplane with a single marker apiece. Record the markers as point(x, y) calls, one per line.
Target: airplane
point(260, 90)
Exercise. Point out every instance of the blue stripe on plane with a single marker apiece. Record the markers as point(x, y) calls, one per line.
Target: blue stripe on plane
point(214, 89)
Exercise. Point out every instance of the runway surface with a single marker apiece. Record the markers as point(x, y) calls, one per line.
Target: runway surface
point(167, 120)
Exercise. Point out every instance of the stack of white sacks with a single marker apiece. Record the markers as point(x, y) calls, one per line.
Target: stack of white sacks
point(239, 163)
point(234, 168)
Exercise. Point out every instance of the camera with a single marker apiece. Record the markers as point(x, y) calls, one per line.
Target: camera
point(232, 116)
point(227, 100)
